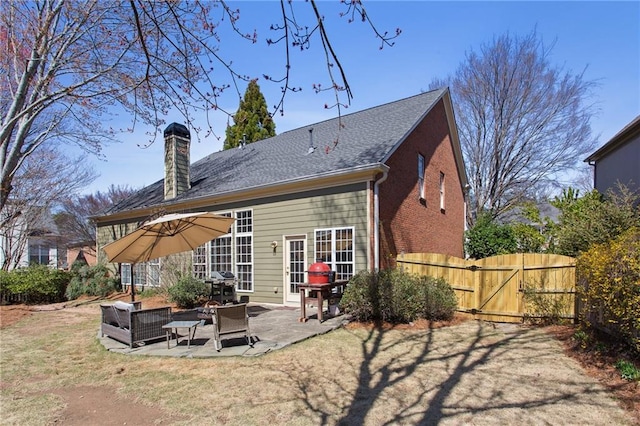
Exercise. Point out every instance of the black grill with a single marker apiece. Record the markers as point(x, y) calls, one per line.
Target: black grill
point(223, 287)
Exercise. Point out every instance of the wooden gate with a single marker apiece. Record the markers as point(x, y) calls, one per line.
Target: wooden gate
point(493, 288)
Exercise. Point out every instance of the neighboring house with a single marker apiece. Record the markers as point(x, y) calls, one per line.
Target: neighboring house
point(82, 252)
point(31, 237)
point(618, 160)
point(354, 191)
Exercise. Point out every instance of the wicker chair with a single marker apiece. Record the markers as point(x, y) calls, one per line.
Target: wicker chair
point(133, 325)
point(230, 319)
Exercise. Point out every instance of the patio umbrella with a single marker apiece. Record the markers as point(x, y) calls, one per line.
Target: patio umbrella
point(168, 234)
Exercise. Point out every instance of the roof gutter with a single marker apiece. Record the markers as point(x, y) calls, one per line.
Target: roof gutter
point(325, 179)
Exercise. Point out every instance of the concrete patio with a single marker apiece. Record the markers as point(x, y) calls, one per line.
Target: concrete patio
point(272, 327)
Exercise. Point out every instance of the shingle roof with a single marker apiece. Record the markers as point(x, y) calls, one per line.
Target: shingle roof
point(364, 138)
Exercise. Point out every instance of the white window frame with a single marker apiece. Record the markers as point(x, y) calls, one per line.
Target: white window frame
point(243, 260)
point(421, 175)
point(344, 269)
point(213, 255)
point(146, 274)
point(199, 262)
point(202, 257)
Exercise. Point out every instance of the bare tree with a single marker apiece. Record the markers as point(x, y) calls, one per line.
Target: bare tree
point(75, 218)
point(76, 60)
point(45, 178)
point(522, 121)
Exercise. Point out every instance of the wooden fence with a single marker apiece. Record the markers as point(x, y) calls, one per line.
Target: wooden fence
point(493, 288)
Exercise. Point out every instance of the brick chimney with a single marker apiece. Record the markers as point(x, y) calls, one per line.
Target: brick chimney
point(177, 142)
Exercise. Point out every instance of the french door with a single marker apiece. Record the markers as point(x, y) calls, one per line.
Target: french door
point(294, 266)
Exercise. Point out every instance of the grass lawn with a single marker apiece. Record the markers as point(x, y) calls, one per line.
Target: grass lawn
point(53, 370)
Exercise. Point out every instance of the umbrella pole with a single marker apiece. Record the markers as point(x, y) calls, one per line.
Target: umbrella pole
point(133, 284)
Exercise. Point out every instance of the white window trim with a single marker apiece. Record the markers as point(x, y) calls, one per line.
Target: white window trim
point(209, 267)
point(147, 273)
point(332, 265)
point(234, 250)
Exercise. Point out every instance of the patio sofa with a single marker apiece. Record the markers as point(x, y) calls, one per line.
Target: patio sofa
point(127, 323)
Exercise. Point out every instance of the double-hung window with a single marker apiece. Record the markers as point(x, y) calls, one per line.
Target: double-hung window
point(441, 191)
point(421, 172)
point(214, 256)
point(219, 254)
point(244, 249)
point(221, 257)
point(145, 274)
point(39, 254)
point(200, 263)
point(335, 247)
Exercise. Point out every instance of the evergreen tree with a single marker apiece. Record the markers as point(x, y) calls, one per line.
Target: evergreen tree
point(252, 121)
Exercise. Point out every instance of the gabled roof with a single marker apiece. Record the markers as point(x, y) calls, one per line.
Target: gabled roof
point(622, 137)
point(365, 139)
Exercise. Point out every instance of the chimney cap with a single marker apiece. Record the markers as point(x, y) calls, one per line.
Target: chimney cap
point(178, 130)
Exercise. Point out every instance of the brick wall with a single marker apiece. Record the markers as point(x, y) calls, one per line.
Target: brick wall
point(409, 224)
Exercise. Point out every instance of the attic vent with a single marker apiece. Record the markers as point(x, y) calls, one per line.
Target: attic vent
point(311, 147)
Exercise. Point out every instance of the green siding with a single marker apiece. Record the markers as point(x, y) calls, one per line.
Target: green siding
point(297, 214)
point(301, 215)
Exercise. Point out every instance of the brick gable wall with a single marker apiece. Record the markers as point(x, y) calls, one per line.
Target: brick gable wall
point(409, 224)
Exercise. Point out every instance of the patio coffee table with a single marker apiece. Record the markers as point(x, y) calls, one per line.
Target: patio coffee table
point(191, 325)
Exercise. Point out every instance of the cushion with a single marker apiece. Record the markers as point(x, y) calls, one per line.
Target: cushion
point(125, 306)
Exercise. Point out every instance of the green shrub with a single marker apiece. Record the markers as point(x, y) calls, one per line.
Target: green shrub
point(75, 288)
point(187, 292)
point(488, 238)
point(360, 296)
point(5, 281)
point(38, 283)
point(628, 370)
point(397, 297)
point(90, 281)
point(593, 218)
point(608, 277)
point(582, 337)
point(406, 297)
point(439, 299)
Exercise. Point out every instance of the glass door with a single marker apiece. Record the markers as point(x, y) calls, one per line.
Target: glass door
point(295, 267)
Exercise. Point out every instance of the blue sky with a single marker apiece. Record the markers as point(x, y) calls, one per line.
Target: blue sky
point(601, 39)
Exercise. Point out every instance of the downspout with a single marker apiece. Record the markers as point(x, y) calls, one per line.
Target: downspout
point(376, 219)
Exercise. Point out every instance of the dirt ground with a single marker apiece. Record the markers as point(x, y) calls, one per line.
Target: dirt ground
point(81, 401)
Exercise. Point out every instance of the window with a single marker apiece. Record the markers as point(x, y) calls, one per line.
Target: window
point(421, 176)
point(441, 191)
point(244, 250)
point(219, 254)
point(200, 262)
point(335, 247)
point(39, 254)
point(216, 255)
point(145, 274)
point(125, 274)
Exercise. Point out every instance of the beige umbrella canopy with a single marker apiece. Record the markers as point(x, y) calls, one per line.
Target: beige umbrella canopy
point(169, 234)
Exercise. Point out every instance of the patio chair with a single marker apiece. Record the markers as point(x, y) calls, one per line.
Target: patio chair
point(230, 319)
point(129, 324)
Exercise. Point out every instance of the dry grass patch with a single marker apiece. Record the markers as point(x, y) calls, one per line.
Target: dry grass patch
point(472, 372)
